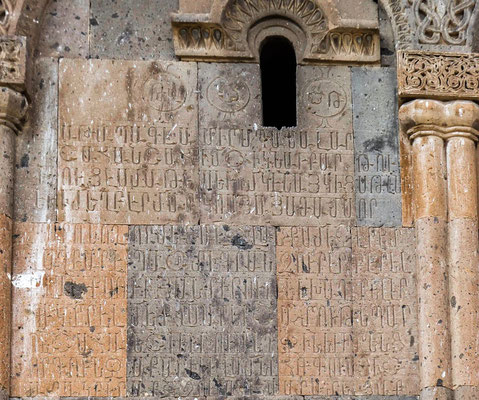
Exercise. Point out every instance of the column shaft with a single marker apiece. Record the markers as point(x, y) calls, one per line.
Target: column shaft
point(431, 220)
point(463, 260)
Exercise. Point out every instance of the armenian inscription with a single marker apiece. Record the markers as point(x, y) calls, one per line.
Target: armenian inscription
point(201, 311)
point(346, 311)
point(378, 182)
point(127, 142)
point(69, 291)
point(260, 175)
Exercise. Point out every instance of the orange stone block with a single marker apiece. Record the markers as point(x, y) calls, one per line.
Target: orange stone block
point(69, 325)
point(347, 311)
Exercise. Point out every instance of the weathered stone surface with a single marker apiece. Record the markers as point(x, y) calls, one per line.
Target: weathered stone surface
point(347, 311)
point(5, 300)
point(361, 397)
point(36, 149)
point(256, 175)
point(377, 176)
point(7, 154)
point(13, 60)
point(69, 293)
point(202, 311)
point(437, 393)
point(132, 29)
point(64, 32)
point(127, 142)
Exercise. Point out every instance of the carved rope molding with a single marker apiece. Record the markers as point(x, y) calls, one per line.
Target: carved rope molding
point(442, 21)
point(438, 75)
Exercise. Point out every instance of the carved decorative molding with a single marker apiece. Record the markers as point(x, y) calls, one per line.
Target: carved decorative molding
point(6, 11)
point(238, 31)
point(442, 21)
point(12, 60)
point(438, 75)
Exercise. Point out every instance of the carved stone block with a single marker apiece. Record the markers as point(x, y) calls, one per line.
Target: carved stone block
point(377, 176)
point(202, 311)
point(347, 311)
point(13, 56)
point(423, 74)
point(260, 175)
point(127, 142)
point(69, 293)
point(36, 148)
point(132, 29)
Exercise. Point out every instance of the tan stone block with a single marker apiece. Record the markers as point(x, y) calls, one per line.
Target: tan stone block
point(429, 172)
point(69, 328)
point(462, 178)
point(127, 142)
point(432, 284)
point(259, 175)
point(7, 153)
point(464, 301)
point(5, 299)
point(347, 311)
point(466, 393)
point(436, 393)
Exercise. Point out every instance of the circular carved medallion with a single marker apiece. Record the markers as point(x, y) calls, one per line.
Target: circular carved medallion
point(229, 95)
point(324, 98)
point(164, 92)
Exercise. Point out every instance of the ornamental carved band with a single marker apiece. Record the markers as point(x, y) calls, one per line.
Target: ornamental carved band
point(442, 21)
point(438, 75)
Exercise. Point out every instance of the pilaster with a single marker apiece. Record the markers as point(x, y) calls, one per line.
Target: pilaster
point(443, 202)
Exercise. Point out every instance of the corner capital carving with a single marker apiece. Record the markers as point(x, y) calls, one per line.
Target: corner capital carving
point(13, 58)
point(438, 75)
point(442, 119)
point(13, 108)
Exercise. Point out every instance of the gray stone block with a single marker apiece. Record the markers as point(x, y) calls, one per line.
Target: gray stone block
point(36, 153)
point(201, 311)
point(377, 176)
point(132, 29)
point(65, 29)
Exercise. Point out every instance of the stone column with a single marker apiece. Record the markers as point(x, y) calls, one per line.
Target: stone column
point(462, 117)
point(12, 110)
point(419, 118)
point(444, 140)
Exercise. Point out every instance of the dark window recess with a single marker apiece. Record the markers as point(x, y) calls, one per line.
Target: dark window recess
point(278, 82)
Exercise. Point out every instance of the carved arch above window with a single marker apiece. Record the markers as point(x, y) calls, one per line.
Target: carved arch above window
point(234, 29)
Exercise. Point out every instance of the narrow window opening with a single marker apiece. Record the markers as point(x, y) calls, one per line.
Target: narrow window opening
point(278, 82)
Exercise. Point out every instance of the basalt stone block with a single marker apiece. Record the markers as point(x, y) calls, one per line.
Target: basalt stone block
point(64, 31)
point(127, 142)
point(347, 313)
point(261, 175)
point(69, 296)
point(132, 29)
point(202, 311)
point(36, 152)
point(377, 176)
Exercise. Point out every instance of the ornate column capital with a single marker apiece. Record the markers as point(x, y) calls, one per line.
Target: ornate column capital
point(13, 107)
point(458, 118)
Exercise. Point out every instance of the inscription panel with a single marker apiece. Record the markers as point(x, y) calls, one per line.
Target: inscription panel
point(378, 181)
point(201, 311)
point(258, 175)
point(127, 142)
point(346, 311)
point(69, 293)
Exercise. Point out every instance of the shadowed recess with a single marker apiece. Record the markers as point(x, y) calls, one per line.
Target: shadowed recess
point(278, 82)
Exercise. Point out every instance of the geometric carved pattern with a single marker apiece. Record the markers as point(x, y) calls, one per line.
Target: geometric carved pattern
point(442, 21)
point(438, 75)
